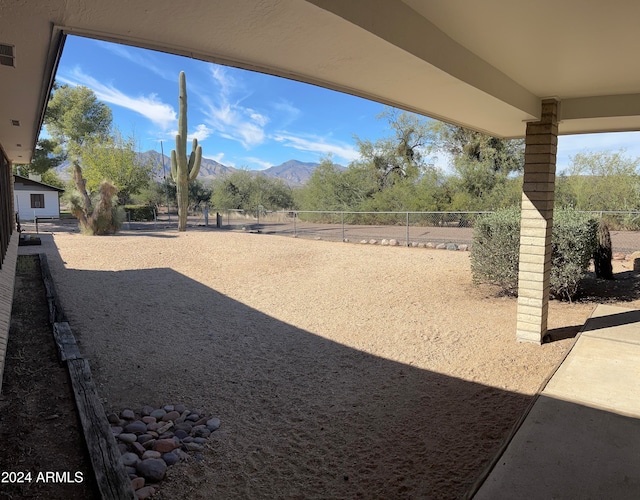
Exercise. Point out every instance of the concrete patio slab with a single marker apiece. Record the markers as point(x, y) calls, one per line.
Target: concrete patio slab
point(581, 438)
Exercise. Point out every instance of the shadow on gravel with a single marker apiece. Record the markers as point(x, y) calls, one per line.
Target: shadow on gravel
point(302, 416)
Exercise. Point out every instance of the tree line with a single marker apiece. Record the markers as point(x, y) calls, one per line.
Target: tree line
point(394, 173)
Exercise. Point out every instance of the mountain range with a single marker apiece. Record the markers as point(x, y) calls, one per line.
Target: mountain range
point(295, 173)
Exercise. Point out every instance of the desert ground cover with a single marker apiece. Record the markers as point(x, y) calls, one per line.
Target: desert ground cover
point(337, 370)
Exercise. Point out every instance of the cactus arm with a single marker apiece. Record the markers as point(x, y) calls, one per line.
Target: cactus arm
point(174, 165)
point(194, 163)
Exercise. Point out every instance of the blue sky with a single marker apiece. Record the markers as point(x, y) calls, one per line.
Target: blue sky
point(245, 119)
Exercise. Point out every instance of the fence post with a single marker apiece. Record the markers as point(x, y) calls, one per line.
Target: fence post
point(342, 216)
point(295, 216)
point(407, 228)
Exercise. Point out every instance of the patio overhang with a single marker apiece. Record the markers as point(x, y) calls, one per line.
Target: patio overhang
point(484, 65)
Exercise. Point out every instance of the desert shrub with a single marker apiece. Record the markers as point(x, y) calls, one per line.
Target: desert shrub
point(140, 212)
point(574, 241)
point(496, 247)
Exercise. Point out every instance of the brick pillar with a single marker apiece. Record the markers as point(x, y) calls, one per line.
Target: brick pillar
point(536, 223)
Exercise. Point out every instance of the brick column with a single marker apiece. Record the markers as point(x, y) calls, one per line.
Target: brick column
point(536, 223)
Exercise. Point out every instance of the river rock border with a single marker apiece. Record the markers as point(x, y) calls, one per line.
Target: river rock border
point(463, 247)
point(153, 439)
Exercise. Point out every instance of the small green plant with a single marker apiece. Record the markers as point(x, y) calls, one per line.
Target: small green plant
point(140, 212)
point(496, 248)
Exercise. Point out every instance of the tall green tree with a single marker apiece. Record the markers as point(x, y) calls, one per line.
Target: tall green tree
point(47, 156)
point(73, 118)
point(114, 158)
point(243, 190)
point(402, 156)
point(334, 188)
point(486, 168)
point(606, 180)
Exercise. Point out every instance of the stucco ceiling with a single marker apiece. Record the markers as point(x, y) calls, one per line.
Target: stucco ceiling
point(485, 65)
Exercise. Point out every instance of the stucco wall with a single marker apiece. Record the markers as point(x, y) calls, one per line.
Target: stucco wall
point(7, 282)
point(22, 204)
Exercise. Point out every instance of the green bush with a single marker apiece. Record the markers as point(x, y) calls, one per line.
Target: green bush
point(574, 241)
point(140, 212)
point(496, 247)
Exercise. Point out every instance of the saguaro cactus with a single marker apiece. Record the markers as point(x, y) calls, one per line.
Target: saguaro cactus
point(184, 171)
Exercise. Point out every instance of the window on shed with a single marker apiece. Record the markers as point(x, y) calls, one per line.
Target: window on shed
point(37, 201)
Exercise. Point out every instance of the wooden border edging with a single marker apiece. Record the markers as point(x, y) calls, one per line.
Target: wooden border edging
point(108, 469)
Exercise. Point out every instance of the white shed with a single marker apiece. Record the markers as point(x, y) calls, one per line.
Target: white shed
point(33, 199)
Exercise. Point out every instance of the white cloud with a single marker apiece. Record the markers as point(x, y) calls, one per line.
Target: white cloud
point(149, 106)
point(201, 133)
point(258, 161)
point(218, 157)
point(146, 61)
point(230, 122)
point(316, 144)
point(226, 116)
point(290, 112)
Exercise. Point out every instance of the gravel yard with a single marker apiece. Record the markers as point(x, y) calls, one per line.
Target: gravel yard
point(337, 370)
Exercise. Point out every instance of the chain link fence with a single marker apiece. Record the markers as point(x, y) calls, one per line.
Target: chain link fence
point(406, 228)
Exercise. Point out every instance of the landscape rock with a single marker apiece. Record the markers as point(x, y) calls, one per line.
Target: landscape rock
point(130, 459)
point(143, 438)
point(384, 242)
point(150, 442)
point(127, 438)
point(137, 483)
point(146, 411)
point(618, 256)
point(127, 414)
point(144, 493)
point(193, 446)
point(180, 434)
point(158, 414)
point(138, 448)
point(452, 246)
point(200, 431)
point(172, 415)
point(393, 243)
point(113, 418)
point(441, 246)
point(152, 469)
point(165, 445)
point(429, 244)
point(164, 428)
point(213, 424)
point(373, 242)
point(170, 458)
point(363, 242)
point(463, 247)
point(136, 427)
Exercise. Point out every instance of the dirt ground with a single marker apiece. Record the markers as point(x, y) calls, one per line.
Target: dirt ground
point(337, 370)
point(39, 428)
